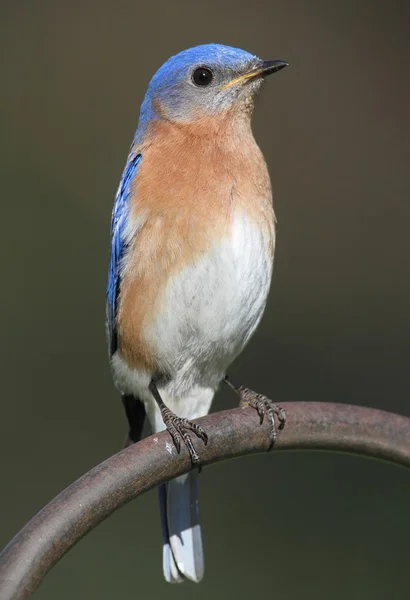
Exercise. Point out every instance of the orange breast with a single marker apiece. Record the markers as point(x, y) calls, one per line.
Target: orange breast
point(191, 180)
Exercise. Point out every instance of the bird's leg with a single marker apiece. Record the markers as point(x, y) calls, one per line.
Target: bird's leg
point(263, 406)
point(135, 412)
point(178, 427)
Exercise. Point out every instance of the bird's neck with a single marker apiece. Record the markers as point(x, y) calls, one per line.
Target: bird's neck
point(227, 128)
point(229, 132)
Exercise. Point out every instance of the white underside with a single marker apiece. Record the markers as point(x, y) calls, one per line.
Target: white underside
point(210, 311)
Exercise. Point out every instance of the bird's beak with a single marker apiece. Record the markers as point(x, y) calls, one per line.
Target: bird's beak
point(265, 68)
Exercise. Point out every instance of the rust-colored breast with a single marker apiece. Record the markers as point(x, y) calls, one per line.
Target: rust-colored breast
point(190, 181)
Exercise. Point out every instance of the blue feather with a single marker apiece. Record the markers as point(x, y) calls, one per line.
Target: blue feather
point(118, 246)
point(167, 85)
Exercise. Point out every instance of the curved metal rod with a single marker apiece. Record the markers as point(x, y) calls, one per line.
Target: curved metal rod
point(104, 489)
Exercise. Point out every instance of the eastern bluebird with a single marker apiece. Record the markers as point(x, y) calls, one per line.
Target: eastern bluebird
point(192, 247)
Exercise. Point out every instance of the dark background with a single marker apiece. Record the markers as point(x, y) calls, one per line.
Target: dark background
point(335, 131)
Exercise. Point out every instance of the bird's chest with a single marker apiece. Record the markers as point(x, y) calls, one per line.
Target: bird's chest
point(211, 306)
point(198, 272)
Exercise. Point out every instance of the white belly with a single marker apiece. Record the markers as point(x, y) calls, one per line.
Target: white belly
point(210, 310)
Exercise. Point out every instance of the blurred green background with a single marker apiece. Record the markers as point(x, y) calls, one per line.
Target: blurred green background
point(335, 131)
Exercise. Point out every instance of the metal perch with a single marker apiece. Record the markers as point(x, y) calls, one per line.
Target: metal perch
point(83, 505)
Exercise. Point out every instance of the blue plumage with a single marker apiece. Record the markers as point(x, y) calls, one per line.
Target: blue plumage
point(170, 85)
point(214, 55)
point(118, 246)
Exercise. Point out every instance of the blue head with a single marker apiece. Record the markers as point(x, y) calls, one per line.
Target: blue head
point(204, 81)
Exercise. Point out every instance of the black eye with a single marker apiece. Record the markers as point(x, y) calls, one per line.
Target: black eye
point(202, 76)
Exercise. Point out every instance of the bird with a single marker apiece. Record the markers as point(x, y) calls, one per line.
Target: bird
point(192, 246)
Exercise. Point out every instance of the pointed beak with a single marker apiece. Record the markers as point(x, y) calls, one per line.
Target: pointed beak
point(263, 69)
point(271, 66)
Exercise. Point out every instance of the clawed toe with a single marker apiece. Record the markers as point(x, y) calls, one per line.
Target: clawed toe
point(263, 407)
point(178, 429)
point(197, 429)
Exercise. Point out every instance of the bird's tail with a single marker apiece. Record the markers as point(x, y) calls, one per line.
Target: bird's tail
point(182, 551)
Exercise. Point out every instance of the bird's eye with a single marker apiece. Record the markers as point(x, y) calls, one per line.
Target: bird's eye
point(202, 76)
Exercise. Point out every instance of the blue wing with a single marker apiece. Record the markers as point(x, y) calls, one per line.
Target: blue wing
point(118, 247)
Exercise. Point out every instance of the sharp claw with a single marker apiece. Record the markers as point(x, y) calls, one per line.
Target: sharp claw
point(178, 427)
point(201, 433)
point(263, 406)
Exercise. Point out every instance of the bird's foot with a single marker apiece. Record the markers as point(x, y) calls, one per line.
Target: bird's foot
point(179, 428)
point(263, 406)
